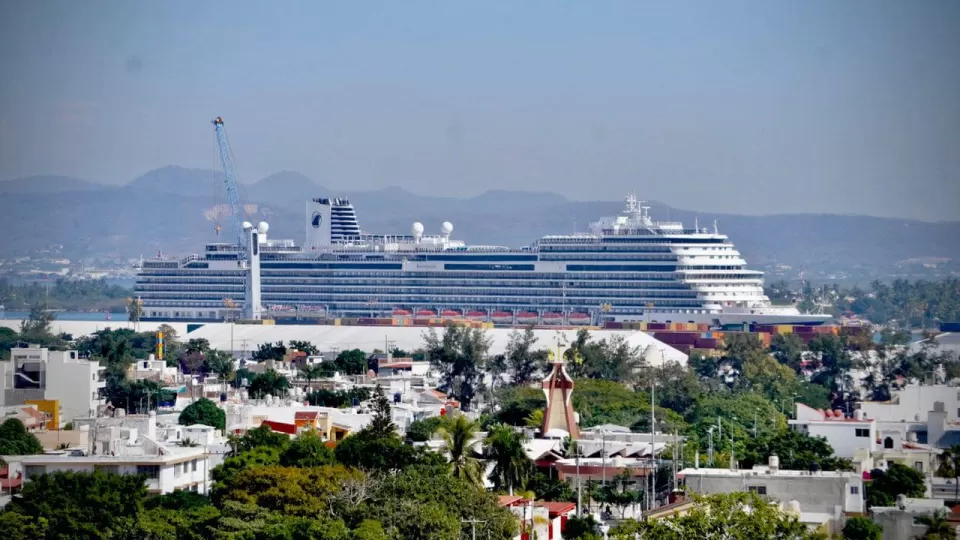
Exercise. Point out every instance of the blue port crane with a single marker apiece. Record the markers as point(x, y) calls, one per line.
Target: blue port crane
point(234, 197)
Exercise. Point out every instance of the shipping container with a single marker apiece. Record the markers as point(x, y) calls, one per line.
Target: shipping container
point(612, 325)
point(784, 329)
point(706, 343)
point(952, 326)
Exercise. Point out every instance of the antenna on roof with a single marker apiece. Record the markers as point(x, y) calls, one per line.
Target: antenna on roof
point(715, 229)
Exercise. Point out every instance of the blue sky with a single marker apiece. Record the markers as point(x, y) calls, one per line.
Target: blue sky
point(736, 106)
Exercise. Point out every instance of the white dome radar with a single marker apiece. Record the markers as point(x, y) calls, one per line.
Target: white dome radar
point(247, 225)
point(417, 229)
point(446, 228)
point(263, 227)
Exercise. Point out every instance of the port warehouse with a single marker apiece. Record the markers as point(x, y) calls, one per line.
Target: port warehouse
point(241, 337)
point(675, 340)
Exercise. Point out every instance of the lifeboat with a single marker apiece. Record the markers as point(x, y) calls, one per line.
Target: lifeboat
point(477, 315)
point(502, 317)
point(552, 318)
point(527, 317)
point(426, 313)
point(401, 313)
point(450, 314)
point(579, 318)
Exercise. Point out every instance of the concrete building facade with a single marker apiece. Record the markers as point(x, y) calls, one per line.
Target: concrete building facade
point(37, 373)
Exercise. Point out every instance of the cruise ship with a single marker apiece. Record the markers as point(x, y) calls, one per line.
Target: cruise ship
point(627, 267)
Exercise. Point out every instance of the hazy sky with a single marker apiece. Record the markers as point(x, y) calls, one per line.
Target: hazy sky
point(848, 106)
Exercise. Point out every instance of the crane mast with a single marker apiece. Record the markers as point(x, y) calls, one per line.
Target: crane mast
point(230, 180)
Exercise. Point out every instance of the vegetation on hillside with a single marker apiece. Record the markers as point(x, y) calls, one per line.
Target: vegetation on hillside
point(64, 293)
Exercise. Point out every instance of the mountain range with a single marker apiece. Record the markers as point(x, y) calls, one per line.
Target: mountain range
point(170, 209)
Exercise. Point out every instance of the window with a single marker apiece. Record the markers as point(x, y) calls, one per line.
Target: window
point(194, 464)
point(863, 432)
point(759, 490)
point(854, 490)
point(918, 465)
point(888, 443)
point(150, 471)
point(177, 469)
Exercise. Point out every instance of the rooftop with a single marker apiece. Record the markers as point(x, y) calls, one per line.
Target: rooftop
point(762, 470)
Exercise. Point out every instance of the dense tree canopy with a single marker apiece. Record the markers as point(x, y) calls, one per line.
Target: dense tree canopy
point(203, 411)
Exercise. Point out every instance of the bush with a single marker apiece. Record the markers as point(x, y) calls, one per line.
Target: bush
point(206, 412)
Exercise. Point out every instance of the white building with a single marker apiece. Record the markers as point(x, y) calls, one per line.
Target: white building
point(36, 372)
point(852, 438)
point(819, 497)
point(912, 403)
point(167, 469)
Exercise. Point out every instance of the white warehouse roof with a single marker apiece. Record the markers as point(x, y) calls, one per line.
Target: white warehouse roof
point(408, 338)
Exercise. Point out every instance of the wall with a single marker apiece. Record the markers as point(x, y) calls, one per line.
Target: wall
point(842, 436)
point(914, 401)
point(75, 438)
point(815, 493)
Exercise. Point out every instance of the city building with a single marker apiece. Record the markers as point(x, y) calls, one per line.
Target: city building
point(167, 468)
point(852, 438)
point(822, 499)
point(912, 403)
point(37, 373)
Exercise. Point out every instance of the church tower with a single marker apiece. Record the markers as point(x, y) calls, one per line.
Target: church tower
point(558, 387)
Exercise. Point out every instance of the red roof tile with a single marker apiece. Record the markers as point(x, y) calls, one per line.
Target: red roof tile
point(306, 415)
point(557, 508)
point(280, 427)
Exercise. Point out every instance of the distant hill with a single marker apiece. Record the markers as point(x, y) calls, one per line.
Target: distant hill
point(41, 185)
point(169, 209)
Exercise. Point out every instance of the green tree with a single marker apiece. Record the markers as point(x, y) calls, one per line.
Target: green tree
point(522, 361)
point(223, 474)
point(795, 450)
point(938, 527)
point(351, 362)
point(73, 503)
point(458, 356)
point(423, 430)
point(886, 486)
point(381, 425)
point(729, 515)
point(269, 351)
point(304, 346)
point(424, 502)
point(511, 466)
point(270, 382)
point(15, 440)
point(307, 450)
point(220, 363)
point(206, 412)
point(459, 439)
point(255, 438)
point(16, 526)
point(621, 492)
point(861, 528)
point(765, 375)
point(788, 350)
point(949, 467)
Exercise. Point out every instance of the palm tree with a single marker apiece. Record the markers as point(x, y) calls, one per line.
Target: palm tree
point(950, 468)
point(511, 466)
point(535, 419)
point(311, 372)
point(188, 442)
point(938, 528)
point(459, 438)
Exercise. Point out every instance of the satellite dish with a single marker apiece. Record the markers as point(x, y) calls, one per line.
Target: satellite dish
point(417, 229)
point(446, 228)
point(263, 227)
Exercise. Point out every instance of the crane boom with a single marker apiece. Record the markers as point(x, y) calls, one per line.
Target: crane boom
point(230, 179)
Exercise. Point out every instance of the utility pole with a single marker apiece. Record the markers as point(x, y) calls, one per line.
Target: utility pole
point(576, 448)
point(653, 444)
point(710, 449)
point(473, 526)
